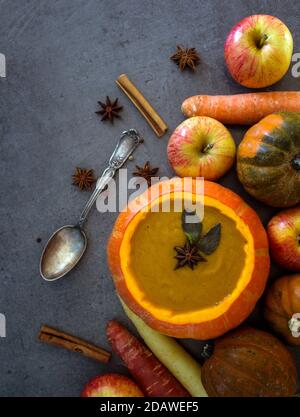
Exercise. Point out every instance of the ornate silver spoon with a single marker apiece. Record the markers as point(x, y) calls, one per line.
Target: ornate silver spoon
point(66, 246)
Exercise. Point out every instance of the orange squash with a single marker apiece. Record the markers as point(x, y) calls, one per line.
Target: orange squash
point(249, 363)
point(281, 304)
point(202, 303)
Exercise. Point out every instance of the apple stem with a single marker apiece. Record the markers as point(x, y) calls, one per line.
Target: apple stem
point(262, 41)
point(207, 147)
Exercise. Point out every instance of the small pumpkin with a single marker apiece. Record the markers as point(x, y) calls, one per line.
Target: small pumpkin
point(282, 308)
point(213, 297)
point(249, 363)
point(268, 160)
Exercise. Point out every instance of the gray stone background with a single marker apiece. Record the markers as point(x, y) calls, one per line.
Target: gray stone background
point(63, 56)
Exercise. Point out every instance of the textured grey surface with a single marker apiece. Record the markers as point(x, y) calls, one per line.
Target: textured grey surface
point(63, 56)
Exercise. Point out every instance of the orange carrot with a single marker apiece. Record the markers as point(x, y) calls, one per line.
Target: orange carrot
point(153, 378)
point(241, 109)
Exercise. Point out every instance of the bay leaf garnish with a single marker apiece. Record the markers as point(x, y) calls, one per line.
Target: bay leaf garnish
point(191, 226)
point(189, 254)
point(209, 242)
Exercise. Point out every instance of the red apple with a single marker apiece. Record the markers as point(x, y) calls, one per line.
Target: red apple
point(201, 147)
point(284, 236)
point(258, 51)
point(111, 385)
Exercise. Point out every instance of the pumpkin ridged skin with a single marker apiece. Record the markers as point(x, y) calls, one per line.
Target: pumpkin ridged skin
point(268, 160)
point(245, 302)
point(282, 301)
point(249, 363)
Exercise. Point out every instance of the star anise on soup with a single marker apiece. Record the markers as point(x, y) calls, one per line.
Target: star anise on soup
point(188, 255)
point(83, 178)
point(109, 110)
point(146, 172)
point(186, 57)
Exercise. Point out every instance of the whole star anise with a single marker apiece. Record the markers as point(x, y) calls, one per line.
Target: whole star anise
point(109, 109)
point(186, 57)
point(83, 178)
point(146, 172)
point(188, 255)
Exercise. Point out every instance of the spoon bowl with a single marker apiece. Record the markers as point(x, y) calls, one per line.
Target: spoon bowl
point(62, 252)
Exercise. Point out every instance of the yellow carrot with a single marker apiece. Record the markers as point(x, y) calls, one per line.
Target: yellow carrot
point(184, 368)
point(241, 109)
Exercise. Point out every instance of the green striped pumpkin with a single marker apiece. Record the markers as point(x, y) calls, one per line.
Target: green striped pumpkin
point(268, 160)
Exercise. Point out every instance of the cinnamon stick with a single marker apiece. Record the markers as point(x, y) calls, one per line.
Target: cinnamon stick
point(143, 105)
point(55, 337)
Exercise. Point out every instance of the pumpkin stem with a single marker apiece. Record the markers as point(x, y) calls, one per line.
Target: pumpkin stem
point(207, 350)
point(296, 163)
point(294, 325)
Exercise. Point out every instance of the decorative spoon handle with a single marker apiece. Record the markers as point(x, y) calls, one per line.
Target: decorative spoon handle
point(126, 145)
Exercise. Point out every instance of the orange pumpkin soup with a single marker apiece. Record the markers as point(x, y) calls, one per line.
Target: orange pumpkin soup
point(150, 266)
